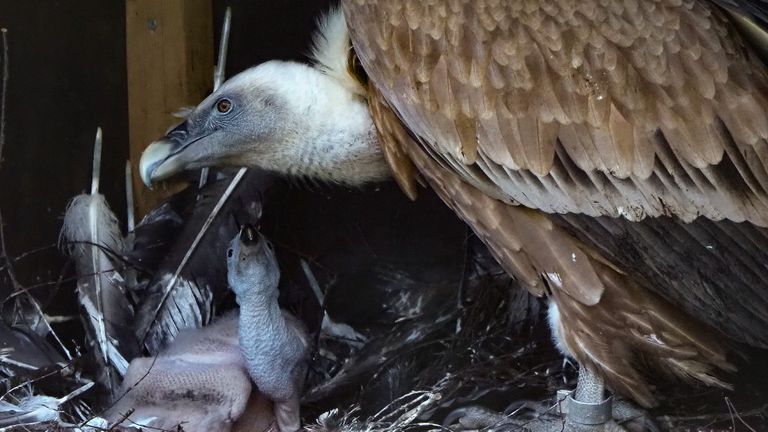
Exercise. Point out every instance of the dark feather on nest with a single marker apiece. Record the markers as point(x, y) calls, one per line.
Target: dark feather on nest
point(202, 279)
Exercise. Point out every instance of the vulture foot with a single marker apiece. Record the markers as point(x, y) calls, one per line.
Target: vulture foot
point(531, 416)
point(585, 409)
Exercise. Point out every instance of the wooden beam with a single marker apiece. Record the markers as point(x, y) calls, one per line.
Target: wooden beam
point(169, 48)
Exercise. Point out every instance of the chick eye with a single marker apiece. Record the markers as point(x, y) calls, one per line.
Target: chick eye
point(223, 106)
point(230, 252)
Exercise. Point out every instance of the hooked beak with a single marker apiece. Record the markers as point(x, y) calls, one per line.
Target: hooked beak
point(165, 157)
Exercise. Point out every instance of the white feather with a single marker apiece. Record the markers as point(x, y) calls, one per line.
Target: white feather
point(89, 233)
point(553, 315)
point(330, 50)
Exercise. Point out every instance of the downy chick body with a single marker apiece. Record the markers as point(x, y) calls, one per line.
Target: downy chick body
point(273, 342)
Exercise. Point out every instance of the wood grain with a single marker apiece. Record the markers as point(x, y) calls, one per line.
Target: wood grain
point(169, 49)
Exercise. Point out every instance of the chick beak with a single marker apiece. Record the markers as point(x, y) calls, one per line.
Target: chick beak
point(249, 235)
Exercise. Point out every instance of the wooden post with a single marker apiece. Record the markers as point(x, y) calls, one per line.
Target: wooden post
point(169, 48)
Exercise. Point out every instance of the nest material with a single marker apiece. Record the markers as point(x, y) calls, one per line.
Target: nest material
point(475, 338)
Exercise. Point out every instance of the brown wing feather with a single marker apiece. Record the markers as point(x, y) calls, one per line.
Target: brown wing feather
point(618, 108)
point(400, 164)
point(613, 323)
point(716, 271)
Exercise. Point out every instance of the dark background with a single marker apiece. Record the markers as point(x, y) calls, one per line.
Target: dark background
point(68, 76)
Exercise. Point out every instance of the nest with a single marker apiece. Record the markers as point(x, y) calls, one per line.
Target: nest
point(418, 348)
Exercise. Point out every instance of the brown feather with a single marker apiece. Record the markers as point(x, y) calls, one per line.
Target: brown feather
point(402, 168)
point(629, 109)
point(610, 323)
point(496, 83)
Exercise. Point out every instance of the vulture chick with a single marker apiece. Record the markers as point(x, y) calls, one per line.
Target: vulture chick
point(273, 341)
point(198, 382)
point(612, 155)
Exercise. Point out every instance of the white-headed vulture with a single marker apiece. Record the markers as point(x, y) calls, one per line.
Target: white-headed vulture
point(612, 154)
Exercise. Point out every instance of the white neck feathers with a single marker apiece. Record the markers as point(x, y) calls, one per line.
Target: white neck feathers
point(331, 48)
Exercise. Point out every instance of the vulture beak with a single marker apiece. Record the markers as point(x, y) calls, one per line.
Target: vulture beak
point(166, 156)
point(249, 235)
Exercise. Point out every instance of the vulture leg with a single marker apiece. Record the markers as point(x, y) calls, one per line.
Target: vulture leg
point(587, 405)
point(586, 409)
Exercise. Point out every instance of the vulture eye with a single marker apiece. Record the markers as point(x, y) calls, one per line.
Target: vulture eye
point(269, 245)
point(223, 106)
point(229, 253)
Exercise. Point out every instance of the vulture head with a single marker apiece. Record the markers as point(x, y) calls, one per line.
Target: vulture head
point(280, 116)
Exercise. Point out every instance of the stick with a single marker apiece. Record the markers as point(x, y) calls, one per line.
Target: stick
point(218, 73)
point(4, 90)
point(102, 328)
point(129, 211)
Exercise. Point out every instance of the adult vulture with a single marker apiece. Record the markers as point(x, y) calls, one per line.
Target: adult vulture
point(612, 154)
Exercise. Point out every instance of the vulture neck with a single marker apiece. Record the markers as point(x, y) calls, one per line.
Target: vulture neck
point(333, 137)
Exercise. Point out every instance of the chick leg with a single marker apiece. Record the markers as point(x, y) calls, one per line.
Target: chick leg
point(287, 414)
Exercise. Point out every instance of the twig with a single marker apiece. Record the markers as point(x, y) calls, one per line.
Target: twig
point(321, 300)
point(4, 90)
point(122, 418)
point(312, 280)
point(713, 417)
point(118, 399)
point(5, 358)
point(221, 64)
point(96, 174)
point(734, 412)
point(39, 285)
point(20, 257)
point(4, 255)
point(218, 73)
point(17, 287)
point(87, 386)
point(51, 373)
point(129, 210)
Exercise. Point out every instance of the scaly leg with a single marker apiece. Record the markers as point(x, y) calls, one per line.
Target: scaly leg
point(586, 409)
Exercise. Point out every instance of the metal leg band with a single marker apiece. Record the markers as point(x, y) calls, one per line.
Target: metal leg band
point(585, 413)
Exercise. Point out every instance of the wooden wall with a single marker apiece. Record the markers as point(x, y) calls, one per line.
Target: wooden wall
point(169, 48)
